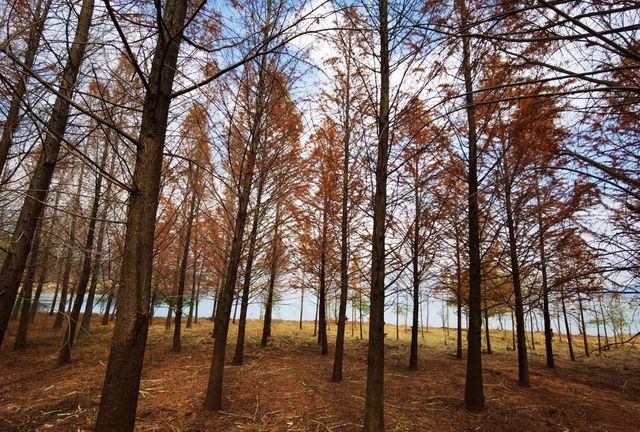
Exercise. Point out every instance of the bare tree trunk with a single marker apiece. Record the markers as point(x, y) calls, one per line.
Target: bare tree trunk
point(213, 398)
point(238, 355)
point(194, 278)
point(64, 354)
point(107, 308)
point(415, 252)
point(344, 224)
point(301, 305)
point(604, 325)
point(21, 336)
point(62, 309)
point(548, 331)
point(122, 380)
point(20, 244)
point(374, 394)
point(584, 327)
point(13, 119)
point(97, 261)
point(322, 308)
point(523, 365)
point(268, 310)
point(486, 328)
point(177, 346)
point(566, 323)
point(458, 297)
point(473, 392)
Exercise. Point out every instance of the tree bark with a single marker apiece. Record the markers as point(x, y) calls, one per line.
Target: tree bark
point(548, 331)
point(473, 391)
point(415, 252)
point(122, 380)
point(523, 365)
point(374, 394)
point(566, 324)
point(344, 224)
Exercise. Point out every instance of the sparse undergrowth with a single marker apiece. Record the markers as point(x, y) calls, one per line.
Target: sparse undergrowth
point(287, 386)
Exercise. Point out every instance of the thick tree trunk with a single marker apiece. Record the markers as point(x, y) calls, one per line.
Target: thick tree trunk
point(374, 394)
point(473, 391)
point(13, 119)
point(238, 355)
point(122, 380)
point(20, 244)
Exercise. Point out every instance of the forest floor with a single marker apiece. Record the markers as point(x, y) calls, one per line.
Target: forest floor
point(287, 386)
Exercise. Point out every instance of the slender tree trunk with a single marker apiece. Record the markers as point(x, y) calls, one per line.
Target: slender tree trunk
point(322, 311)
point(177, 329)
point(604, 325)
point(63, 307)
point(566, 324)
point(598, 331)
point(523, 365)
point(21, 336)
point(238, 355)
point(458, 297)
point(20, 244)
point(192, 299)
point(486, 328)
point(301, 305)
point(268, 310)
point(119, 399)
point(473, 392)
point(64, 354)
point(584, 327)
point(548, 331)
point(374, 400)
point(13, 119)
point(97, 260)
point(213, 398)
point(107, 308)
point(415, 253)
point(344, 224)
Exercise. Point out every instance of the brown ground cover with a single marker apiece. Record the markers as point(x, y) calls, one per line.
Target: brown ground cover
point(287, 387)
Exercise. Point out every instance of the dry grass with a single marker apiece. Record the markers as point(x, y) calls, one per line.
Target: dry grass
point(287, 387)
